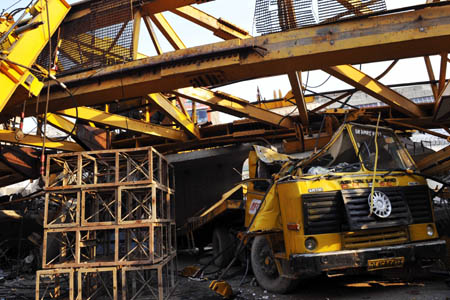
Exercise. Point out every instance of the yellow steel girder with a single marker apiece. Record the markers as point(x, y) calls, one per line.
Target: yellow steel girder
point(363, 82)
point(219, 27)
point(175, 114)
point(297, 90)
point(227, 103)
point(168, 32)
point(60, 123)
point(117, 121)
point(158, 6)
point(37, 141)
point(153, 36)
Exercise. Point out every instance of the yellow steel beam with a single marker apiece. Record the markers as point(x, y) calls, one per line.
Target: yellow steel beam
point(153, 36)
point(219, 27)
point(430, 72)
point(167, 31)
point(354, 5)
point(297, 90)
point(365, 83)
point(175, 114)
point(234, 106)
point(117, 121)
point(60, 123)
point(353, 41)
point(136, 30)
point(149, 7)
point(36, 141)
point(443, 71)
point(157, 6)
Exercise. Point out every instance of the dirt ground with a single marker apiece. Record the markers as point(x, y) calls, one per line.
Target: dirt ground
point(426, 287)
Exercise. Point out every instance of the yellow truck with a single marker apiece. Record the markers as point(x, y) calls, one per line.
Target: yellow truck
point(320, 214)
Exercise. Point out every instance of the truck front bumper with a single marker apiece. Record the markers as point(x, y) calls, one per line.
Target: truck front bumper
point(314, 263)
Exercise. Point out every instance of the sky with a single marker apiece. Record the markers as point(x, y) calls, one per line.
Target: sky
point(240, 12)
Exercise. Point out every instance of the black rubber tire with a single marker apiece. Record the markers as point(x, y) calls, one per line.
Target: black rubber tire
point(222, 240)
point(265, 270)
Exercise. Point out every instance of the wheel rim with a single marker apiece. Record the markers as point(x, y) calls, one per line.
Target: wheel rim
point(266, 262)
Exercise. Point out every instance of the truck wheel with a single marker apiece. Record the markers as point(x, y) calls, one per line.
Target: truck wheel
point(265, 269)
point(221, 242)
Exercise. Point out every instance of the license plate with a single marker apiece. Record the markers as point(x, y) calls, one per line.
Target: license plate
point(385, 263)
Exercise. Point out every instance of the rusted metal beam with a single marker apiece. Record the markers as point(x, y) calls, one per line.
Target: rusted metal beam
point(376, 89)
point(352, 41)
point(297, 90)
point(157, 6)
point(219, 27)
point(443, 72)
point(437, 134)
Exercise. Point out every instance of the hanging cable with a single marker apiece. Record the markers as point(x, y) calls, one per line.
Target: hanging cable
point(375, 165)
point(48, 89)
point(320, 85)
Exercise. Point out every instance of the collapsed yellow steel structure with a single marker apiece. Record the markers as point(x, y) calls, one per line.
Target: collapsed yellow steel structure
point(158, 83)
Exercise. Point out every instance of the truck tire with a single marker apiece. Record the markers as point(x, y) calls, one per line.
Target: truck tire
point(221, 242)
point(265, 269)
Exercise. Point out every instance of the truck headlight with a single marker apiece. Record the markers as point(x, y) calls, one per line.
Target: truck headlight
point(310, 243)
point(430, 230)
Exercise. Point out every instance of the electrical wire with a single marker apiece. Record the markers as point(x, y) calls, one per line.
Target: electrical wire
point(60, 139)
point(320, 85)
point(10, 7)
point(17, 10)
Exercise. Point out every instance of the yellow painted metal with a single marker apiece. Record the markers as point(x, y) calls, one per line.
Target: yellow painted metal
point(443, 72)
point(175, 114)
point(222, 288)
point(60, 122)
point(297, 90)
point(157, 6)
point(376, 89)
point(37, 141)
point(25, 50)
point(355, 5)
point(153, 36)
point(351, 41)
point(136, 31)
point(117, 121)
point(160, 21)
point(281, 206)
point(418, 232)
point(430, 72)
point(233, 105)
point(219, 27)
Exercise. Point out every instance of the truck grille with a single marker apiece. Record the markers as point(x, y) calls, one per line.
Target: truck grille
point(322, 212)
point(418, 201)
point(357, 207)
point(374, 238)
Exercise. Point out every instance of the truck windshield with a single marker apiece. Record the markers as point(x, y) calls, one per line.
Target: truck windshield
point(391, 155)
point(339, 157)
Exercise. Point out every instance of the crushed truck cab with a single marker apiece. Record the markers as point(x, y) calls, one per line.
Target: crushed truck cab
point(320, 215)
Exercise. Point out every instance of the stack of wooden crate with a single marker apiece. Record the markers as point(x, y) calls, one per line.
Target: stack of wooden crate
point(109, 226)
